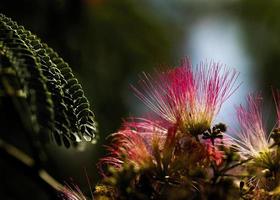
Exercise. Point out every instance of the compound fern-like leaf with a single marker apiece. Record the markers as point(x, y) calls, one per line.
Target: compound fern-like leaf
point(39, 80)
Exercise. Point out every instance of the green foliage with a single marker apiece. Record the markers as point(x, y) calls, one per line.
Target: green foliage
point(42, 87)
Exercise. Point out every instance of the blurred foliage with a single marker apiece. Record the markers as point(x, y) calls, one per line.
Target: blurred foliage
point(262, 25)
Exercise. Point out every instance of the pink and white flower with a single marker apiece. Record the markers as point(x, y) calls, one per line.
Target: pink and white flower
point(252, 140)
point(133, 144)
point(187, 96)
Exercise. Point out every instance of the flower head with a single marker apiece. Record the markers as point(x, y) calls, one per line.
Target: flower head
point(252, 141)
point(133, 144)
point(188, 96)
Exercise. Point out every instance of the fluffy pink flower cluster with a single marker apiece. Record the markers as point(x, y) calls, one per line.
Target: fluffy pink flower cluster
point(184, 101)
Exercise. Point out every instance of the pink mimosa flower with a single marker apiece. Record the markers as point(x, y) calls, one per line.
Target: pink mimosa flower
point(187, 96)
point(133, 144)
point(252, 140)
point(128, 144)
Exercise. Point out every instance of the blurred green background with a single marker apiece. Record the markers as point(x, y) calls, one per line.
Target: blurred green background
point(108, 43)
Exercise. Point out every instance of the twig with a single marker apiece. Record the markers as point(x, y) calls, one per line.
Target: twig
point(235, 165)
point(29, 162)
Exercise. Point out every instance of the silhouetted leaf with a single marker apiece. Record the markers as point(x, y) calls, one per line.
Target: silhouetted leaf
point(55, 100)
